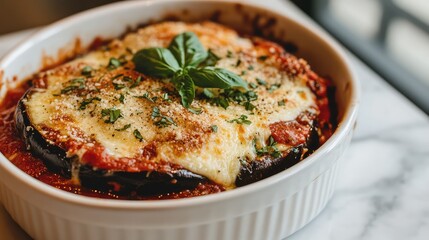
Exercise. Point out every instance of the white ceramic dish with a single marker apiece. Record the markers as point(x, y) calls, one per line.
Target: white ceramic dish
point(269, 209)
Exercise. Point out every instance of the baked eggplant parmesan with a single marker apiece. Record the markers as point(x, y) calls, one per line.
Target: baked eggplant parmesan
point(172, 107)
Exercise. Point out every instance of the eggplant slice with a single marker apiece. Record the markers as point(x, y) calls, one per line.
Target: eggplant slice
point(254, 171)
point(56, 160)
point(54, 157)
point(145, 183)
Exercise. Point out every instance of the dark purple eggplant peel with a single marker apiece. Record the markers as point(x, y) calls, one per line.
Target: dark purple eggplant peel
point(56, 160)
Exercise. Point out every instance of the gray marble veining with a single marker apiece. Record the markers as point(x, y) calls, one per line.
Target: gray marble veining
point(382, 190)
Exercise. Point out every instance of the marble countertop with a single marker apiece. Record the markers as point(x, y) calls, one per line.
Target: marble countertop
point(382, 190)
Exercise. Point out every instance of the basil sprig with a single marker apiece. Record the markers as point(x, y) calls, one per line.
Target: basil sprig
point(187, 49)
point(185, 85)
point(187, 64)
point(156, 62)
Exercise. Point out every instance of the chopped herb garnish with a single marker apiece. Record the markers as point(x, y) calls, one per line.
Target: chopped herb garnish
point(113, 63)
point(88, 101)
point(262, 58)
point(243, 73)
point(214, 128)
point(275, 153)
point(121, 98)
point(112, 113)
point(233, 95)
point(165, 97)
point(250, 68)
point(122, 59)
point(118, 86)
point(79, 81)
point(146, 96)
point(136, 82)
point(181, 64)
point(229, 54)
point(165, 122)
point(138, 135)
point(125, 127)
point(127, 79)
point(270, 88)
point(208, 93)
point(238, 63)
point(261, 82)
point(117, 76)
point(270, 149)
point(161, 121)
point(74, 84)
point(281, 102)
point(271, 141)
point(221, 101)
point(87, 71)
point(243, 161)
point(253, 85)
point(249, 106)
point(241, 120)
point(197, 111)
point(155, 112)
point(273, 87)
point(251, 95)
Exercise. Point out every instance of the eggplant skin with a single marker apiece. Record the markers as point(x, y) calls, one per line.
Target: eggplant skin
point(56, 160)
point(53, 156)
point(258, 170)
point(142, 183)
point(254, 171)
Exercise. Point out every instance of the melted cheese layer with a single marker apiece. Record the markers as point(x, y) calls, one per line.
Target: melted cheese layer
point(192, 142)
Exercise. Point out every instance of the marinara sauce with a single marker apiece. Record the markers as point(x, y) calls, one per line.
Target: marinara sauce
point(14, 149)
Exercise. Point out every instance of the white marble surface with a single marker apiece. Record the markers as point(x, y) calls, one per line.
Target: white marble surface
point(383, 190)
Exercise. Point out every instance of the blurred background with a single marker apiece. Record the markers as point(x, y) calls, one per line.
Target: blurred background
point(22, 14)
point(390, 36)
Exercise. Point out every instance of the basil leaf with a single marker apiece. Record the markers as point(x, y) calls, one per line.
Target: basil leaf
point(211, 77)
point(156, 62)
point(210, 60)
point(187, 49)
point(186, 88)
